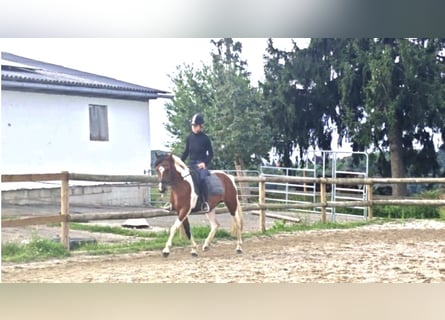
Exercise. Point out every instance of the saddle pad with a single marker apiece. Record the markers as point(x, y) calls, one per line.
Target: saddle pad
point(214, 185)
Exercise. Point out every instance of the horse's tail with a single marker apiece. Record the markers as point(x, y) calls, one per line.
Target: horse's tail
point(186, 228)
point(239, 211)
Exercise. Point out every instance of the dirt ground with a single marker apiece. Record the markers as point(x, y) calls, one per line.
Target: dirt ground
point(412, 252)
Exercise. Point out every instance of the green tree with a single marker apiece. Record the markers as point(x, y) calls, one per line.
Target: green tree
point(385, 94)
point(400, 100)
point(302, 99)
point(232, 107)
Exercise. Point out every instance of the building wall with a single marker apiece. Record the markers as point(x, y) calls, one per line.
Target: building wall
point(98, 195)
point(50, 133)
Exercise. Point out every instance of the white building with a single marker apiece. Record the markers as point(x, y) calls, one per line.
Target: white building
point(58, 119)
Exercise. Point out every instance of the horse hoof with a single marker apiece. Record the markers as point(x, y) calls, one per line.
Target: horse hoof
point(239, 251)
point(194, 254)
point(165, 254)
point(206, 248)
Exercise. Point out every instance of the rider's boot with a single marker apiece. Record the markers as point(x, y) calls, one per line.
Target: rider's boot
point(204, 205)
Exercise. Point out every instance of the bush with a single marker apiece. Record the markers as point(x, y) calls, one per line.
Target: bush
point(413, 212)
point(406, 212)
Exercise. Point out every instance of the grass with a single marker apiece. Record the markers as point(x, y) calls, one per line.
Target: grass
point(37, 249)
point(281, 226)
point(113, 230)
point(199, 232)
point(442, 213)
point(150, 240)
point(41, 249)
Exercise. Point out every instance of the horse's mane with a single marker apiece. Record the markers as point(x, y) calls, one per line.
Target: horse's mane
point(179, 163)
point(180, 166)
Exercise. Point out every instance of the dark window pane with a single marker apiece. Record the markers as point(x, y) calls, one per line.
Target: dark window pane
point(98, 123)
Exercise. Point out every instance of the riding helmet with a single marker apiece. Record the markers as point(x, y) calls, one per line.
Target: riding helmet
point(197, 119)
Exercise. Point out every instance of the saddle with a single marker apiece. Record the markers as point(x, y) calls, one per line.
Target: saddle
point(212, 183)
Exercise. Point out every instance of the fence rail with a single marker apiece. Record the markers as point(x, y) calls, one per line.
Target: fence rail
point(31, 177)
point(64, 218)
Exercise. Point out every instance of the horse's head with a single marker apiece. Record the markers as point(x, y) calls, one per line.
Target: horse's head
point(164, 169)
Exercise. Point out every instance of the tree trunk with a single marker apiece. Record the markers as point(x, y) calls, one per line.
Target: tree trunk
point(397, 162)
point(244, 186)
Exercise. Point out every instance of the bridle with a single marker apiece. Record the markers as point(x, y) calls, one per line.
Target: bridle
point(164, 181)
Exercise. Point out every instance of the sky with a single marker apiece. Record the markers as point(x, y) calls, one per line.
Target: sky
point(143, 61)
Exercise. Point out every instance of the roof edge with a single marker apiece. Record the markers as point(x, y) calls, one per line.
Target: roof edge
point(73, 72)
point(83, 91)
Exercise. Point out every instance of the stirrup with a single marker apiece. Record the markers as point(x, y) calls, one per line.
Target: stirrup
point(205, 206)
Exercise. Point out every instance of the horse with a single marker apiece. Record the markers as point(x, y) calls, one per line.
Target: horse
point(173, 172)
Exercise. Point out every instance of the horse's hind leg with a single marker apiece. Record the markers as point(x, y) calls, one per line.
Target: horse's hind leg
point(214, 225)
point(186, 226)
point(237, 225)
point(237, 222)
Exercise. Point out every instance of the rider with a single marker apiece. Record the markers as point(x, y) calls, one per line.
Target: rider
point(199, 148)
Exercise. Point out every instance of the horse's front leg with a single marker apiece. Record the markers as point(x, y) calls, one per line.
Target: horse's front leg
point(172, 233)
point(214, 225)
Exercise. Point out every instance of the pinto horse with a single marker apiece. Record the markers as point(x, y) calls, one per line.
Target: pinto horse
point(173, 172)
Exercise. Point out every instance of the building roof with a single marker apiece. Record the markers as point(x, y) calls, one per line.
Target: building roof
point(24, 74)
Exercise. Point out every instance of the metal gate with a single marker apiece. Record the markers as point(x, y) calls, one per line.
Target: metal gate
point(324, 163)
point(347, 165)
point(287, 193)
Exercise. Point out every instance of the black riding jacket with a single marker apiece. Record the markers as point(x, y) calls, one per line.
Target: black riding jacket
point(199, 147)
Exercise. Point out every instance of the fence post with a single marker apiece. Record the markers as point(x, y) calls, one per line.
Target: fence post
point(369, 199)
point(304, 185)
point(323, 199)
point(64, 210)
point(262, 201)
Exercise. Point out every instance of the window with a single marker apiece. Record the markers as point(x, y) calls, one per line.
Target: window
point(98, 123)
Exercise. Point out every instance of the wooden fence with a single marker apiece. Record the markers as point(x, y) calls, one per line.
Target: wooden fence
point(64, 218)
